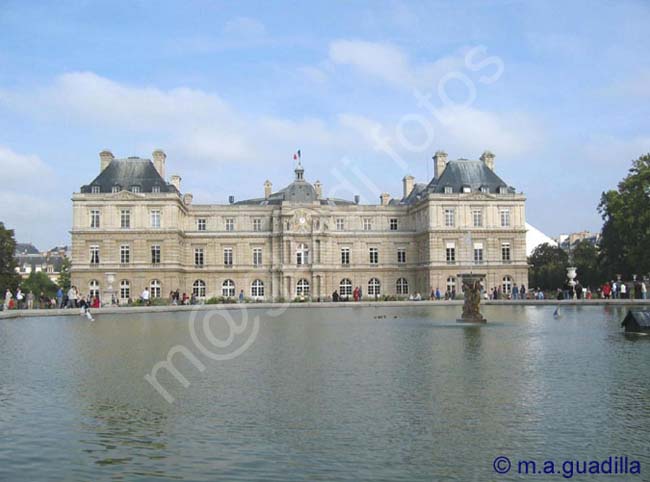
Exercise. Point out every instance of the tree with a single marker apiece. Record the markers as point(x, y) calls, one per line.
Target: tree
point(64, 276)
point(548, 267)
point(626, 230)
point(39, 282)
point(586, 259)
point(9, 278)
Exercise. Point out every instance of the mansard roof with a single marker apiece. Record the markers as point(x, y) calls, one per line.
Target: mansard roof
point(465, 173)
point(129, 172)
point(23, 249)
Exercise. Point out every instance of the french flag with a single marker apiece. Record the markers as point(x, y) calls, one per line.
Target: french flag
point(296, 156)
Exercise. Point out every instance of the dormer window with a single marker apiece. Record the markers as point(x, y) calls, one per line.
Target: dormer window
point(116, 188)
point(95, 189)
point(485, 189)
point(155, 188)
point(503, 190)
point(449, 190)
point(467, 189)
point(135, 188)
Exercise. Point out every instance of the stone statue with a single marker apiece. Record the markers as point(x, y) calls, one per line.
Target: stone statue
point(472, 294)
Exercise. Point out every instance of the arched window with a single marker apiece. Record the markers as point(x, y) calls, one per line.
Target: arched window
point(93, 288)
point(155, 288)
point(228, 288)
point(302, 288)
point(451, 284)
point(302, 254)
point(257, 289)
point(374, 287)
point(507, 284)
point(198, 288)
point(125, 289)
point(402, 286)
point(345, 287)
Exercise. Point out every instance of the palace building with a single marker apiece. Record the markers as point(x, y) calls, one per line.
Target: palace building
point(133, 228)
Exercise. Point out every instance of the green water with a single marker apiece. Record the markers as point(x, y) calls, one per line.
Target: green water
point(327, 394)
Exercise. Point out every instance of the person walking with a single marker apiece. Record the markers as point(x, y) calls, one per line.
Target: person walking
point(623, 290)
point(522, 292)
point(146, 297)
point(59, 298)
point(7, 301)
point(72, 297)
point(30, 300)
point(241, 296)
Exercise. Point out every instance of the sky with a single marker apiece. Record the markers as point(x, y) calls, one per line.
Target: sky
point(368, 91)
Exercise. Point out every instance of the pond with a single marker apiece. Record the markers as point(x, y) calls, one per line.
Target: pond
point(391, 393)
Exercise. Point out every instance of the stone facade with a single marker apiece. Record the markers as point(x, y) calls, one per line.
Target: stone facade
point(132, 229)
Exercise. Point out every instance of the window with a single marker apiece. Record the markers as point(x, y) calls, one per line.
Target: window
point(94, 255)
point(467, 189)
point(201, 224)
point(227, 256)
point(95, 189)
point(125, 218)
point(94, 218)
point(155, 218)
point(345, 256)
point(401, 255)
point(485, 189)
point(507, 284)
point(198, 288)
point(125, 289)
point(228, 288)
point(345, 287)
point(93, 288)
point(374, 255)
point(477, 217)
point(257, 256)
point(402, 286)
point(503, 190)
point(302, 254)
point(230, 224)
point(450, 220)
point(155, 288)
point(392, 224)
point(257, 289)
point(451, 253)
point(449, 190)
point(505, 218)
point(302, 288)
point(367, 224)
point(451, 284)
point(505, 252)
point(478, 253)
point(340, 224)
point(125, 254)
point(155, 188)
point(199, 258)
point(135, 188)
point(257, 224)
point(374, 287)
point(116, 188)
point(155, 254)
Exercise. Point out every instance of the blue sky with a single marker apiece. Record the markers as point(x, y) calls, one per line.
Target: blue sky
point(559, 91)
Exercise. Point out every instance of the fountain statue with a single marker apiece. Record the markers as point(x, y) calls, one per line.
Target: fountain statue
point(472, 284)
point(571, 275)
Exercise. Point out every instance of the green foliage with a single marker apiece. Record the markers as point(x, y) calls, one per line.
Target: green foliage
point(548, 267)
point(8, 276)
point(586, 259)
point(64, 276)
point(626, 229)
point(220, 300)
point(37, 283)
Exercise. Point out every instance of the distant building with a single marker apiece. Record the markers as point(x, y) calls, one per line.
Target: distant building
point(534, 238)
point(134, 229)
point(30, 260)
point(568, 241)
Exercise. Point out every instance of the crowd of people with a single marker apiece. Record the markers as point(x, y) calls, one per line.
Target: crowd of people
point(71, 298)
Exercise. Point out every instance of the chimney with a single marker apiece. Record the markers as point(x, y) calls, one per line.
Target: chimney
point(384, 198)
point(318, 187)
point(175, 181)
point(105, 158)
point(408, 183)
point(268, 189)
point(187, 199)
point(488, 159)
point(439, 163)
point(231, 199)
point(356, 199)
point(159, 157)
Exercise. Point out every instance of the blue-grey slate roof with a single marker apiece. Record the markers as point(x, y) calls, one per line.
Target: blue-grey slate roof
point(473, 174)
point(127, 173)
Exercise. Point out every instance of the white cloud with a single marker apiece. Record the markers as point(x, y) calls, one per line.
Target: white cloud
point(16, 168)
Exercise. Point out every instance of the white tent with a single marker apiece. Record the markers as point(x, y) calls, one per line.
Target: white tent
point(534, 237)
